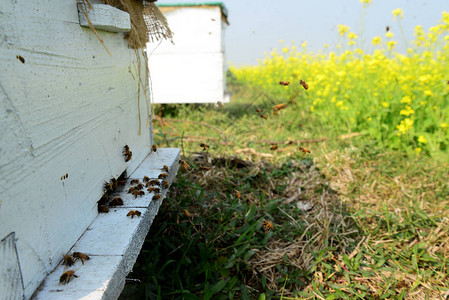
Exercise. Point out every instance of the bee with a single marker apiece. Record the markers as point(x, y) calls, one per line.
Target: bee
point(279, 107)
point(284, 83)
point(165, 184)
point(237, 194)
point(184, 165)
point(205, 146)
point(156, 197)
point(127, 153)
point(220, 104)
point(165, 168)
point(154, 189)
point(258, 110)
point(153, 182)
point(133, 213)
point(263, 116)
point(186, 213)
point(387, 28)
point(131, 190)
point(68, 260)
point(121, 181)
point(103, 209)
point(146, 179)
point(304, 84)
point(273, 147)
point(135, 181)
point(154, 148)
point(116, 201)
point(267, 226)
point(66, 276)
point(125, 149)
point(22, 60)
point(139, 186)
point(304, 150)
point(129, 156)
point(81, 256)
point(162, 175)
point(138, 193)
point(204, 168)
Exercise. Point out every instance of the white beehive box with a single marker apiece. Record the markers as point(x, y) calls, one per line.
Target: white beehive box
point(67, 108)
point(192, 70)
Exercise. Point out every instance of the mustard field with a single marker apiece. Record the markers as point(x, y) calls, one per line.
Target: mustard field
point(399, 99)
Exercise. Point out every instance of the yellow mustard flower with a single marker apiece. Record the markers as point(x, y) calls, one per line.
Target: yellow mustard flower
point(385, 104)
point(342, 29)
point(407, 111)
point(391, 45)
point(422, 139)
point(398, 12)
point(376, 40)
point(365, 1)
point(339, 104)
point(406, 99)
point(428, 93)
point(352, 36)
point(444, 125)
point(389, 34)
point(405, 125)
point(418, 150)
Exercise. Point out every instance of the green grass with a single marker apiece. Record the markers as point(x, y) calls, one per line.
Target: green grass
point(351, 220)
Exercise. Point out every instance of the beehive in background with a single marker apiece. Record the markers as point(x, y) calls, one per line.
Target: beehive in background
point(192, 68)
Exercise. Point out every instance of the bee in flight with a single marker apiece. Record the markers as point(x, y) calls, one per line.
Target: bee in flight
point(304, 150)
point(267, 226)
point(278, 107)
point(205, 146)
point(304, 84)
point(127, 153)
point(186, 213)
point(184, 165)
point(274, 147)
point(19, 57)
point(154, 148)
point(284, 83)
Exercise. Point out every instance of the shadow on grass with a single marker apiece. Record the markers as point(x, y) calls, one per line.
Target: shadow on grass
point(231, 228)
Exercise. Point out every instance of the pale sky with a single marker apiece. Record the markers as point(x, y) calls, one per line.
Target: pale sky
point(257, 26)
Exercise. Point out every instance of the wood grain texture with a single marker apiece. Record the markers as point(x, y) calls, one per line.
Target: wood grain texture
point(68, 108)
point(11, 286)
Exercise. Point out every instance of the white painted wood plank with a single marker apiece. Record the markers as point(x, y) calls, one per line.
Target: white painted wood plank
point(187, 78)
point(11, 286)
point(105, 17)
point(113, 241)
point(68, 108)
